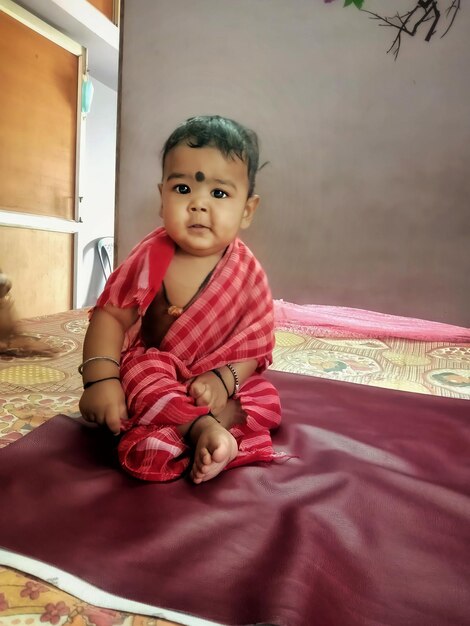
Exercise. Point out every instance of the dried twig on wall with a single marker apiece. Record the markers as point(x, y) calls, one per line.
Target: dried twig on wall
point(426, 15)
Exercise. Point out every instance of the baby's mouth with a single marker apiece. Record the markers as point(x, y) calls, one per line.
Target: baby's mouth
point(198, 226)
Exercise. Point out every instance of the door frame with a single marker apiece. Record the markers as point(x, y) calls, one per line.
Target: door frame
point(39, 222)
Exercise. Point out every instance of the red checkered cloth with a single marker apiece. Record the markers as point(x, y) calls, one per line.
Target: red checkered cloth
point(230, 321)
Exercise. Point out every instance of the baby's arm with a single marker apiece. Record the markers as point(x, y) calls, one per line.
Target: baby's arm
point(208, 390)
point(104, 402)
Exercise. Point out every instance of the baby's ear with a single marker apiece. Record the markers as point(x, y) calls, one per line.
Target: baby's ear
point(249, 211)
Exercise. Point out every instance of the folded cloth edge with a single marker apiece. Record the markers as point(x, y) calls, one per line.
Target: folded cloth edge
point(339, 322)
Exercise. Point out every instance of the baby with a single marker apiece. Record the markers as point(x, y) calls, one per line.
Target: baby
point(173, 355)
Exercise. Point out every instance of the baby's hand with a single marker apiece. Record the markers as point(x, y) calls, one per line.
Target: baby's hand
point(208, 390)
point(105, 403)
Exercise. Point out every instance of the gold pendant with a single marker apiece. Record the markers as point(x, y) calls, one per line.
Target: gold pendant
point(174, 311)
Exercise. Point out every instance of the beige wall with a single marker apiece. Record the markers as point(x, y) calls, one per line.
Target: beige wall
point(365, 199)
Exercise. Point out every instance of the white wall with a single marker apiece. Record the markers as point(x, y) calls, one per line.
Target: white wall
point(365, 198)
point(98, 183)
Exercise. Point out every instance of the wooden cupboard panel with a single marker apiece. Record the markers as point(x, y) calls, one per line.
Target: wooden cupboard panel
point(104, 6)
point(38, 122)
point(40, 266)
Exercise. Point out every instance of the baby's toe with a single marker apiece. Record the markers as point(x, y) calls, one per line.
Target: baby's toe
point(221, 453)
point(196, 479)
point(197, 475)
point(205, 456)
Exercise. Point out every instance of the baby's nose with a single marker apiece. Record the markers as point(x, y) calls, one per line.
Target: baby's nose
point(197, 207)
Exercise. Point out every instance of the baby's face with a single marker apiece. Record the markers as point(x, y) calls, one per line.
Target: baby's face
point(204, 199)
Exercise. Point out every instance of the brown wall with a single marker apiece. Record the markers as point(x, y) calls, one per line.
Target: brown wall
point(365, 198)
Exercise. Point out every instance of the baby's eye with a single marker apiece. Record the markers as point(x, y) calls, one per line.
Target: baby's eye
point(182, 188)
point(219, 193)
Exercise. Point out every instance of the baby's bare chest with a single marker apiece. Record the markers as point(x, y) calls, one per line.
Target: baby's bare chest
point(177, 293)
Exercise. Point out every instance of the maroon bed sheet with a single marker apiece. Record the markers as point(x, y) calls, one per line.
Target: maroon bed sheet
point(369, 525)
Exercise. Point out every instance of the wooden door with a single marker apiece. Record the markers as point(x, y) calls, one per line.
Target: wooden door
point(39, 124)
point(107, 7)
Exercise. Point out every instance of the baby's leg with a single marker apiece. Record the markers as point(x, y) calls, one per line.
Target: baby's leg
point(214, 446)
point(154, 394)
point(161, 453)
point(152, 446)
point(261, 408)
point(247, 422)
point(154, 452)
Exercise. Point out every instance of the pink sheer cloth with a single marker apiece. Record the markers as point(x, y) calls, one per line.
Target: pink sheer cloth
point(339, 322)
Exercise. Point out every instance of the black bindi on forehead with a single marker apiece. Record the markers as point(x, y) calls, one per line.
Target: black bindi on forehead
point(199, 176)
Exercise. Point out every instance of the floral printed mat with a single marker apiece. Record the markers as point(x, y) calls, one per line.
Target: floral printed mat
point(435, 368)
point(35, 389)
point(25, 600)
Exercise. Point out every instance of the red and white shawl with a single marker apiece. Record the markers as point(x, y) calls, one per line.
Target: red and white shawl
point(230, 321)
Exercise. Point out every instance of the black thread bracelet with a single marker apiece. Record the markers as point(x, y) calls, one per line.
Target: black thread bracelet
point(219, 376)
point(212, 415)
point(100, 380)
point(188, 432)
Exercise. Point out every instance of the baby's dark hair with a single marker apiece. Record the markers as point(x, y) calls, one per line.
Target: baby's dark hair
point(228, 136)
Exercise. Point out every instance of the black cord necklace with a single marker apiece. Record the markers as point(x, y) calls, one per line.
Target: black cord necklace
point(176, 311)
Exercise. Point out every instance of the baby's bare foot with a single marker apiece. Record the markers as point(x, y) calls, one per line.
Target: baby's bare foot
point(215, 448)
